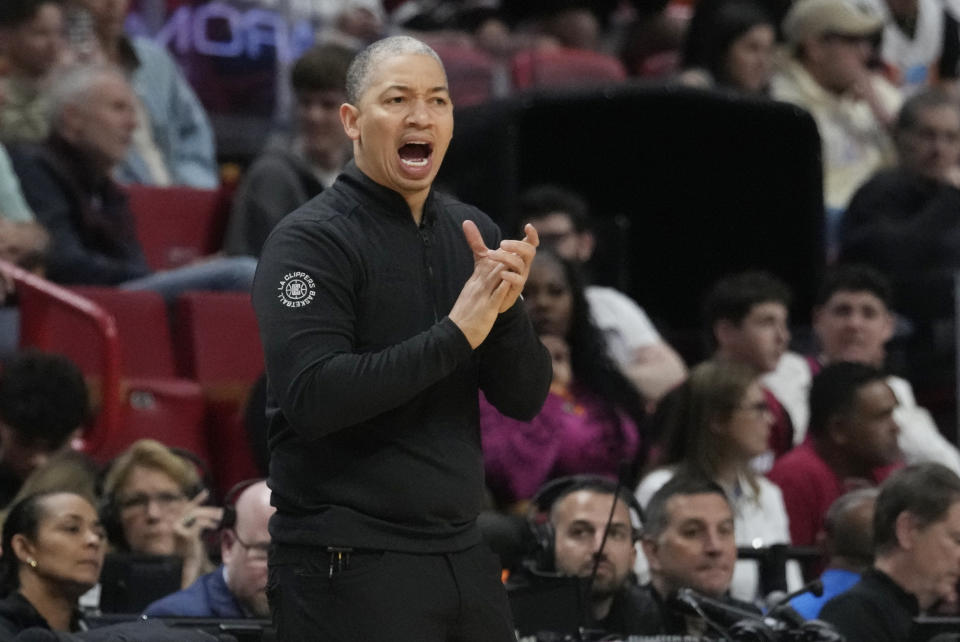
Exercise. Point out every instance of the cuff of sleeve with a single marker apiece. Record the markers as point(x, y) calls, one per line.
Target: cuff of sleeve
point(458, 340)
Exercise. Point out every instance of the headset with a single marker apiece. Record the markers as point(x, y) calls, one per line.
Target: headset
point(548, 495)
point(229, 519)
point(109, 511)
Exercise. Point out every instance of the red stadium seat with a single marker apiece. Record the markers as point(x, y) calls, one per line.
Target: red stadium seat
point(564, 68)
point(176, 225)
point(218, 345)
point(470, 73)
point(121, 342)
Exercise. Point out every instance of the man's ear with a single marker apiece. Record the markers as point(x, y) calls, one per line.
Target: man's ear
point(905, 528)
point(586, 243)
point(227, 541)
point(725, 333)
point(71, 118)
point(650, 548)
point(349, 115)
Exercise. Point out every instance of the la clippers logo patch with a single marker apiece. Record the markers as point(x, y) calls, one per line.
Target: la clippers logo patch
point(297, 289)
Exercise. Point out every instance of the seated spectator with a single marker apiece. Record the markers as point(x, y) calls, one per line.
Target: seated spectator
point(717, 423)
point(920, 46)
point(575, 511)
point(67, 183)
point(902, 220)
point(848, 530)
point(827, 74)
point(729, 45)
point(53, 548)
point(238, 587)
point(590, 420)
point(31, 42)
point(852, 321)
point(688, 541)
point(13, 207)
point(852, 441)
point(173, 142)
point(66, 470)
point(291, 172)
point(746, 321)
point(43, 404)
point(562, 219)
point(153, 498)
point(917, 557)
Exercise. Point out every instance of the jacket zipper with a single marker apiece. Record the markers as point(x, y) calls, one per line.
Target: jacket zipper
point(427, 244)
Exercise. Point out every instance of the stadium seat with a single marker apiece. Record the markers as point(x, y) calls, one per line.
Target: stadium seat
point(127, 359)
point(564, 68)
point(177, 225)
point(218, 345)
point(470, 73)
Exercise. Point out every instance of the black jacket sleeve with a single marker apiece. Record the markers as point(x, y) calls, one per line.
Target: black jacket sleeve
point(322, 382)
point(515, 367)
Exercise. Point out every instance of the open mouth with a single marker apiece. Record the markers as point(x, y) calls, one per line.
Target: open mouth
point(415, 154)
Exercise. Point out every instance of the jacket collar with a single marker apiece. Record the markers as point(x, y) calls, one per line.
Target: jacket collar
point(383, 198)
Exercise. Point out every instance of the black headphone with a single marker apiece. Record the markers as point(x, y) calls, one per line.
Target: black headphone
point(109, 511)
point(229, 519)
point(548, 495)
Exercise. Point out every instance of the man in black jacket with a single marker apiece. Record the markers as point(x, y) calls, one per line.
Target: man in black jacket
point(916, 541)
point(383, 312)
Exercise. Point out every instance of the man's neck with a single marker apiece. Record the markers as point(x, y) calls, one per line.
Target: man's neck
point(901, 570)
point(600, 606)
point(841, 462)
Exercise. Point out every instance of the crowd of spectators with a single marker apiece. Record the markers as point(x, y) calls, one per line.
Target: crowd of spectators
point(757, 446)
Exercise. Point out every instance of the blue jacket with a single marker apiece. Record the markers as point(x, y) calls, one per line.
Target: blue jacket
point(207, 597)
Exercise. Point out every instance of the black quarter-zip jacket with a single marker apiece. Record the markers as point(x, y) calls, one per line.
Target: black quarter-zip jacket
point(372, 390)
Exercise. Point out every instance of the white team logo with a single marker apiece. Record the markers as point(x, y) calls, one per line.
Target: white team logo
point(297, 289)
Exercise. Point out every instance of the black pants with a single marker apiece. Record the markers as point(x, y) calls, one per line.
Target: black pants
point(384, 596)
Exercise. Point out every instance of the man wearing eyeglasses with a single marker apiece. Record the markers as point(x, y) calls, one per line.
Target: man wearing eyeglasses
point(237, 589)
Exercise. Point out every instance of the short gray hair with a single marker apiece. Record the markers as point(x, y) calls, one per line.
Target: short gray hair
point(73, 86)
point(360, 70)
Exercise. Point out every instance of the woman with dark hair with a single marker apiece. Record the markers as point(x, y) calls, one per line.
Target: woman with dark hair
point(729, 44)
point(53, 548)
point(590, 420)
point(715, 425)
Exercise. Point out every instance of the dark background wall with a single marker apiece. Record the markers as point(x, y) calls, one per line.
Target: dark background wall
point(687, 185)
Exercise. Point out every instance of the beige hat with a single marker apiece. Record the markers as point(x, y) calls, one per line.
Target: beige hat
point(812, 18)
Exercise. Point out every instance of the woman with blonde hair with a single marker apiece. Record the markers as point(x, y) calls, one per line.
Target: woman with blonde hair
point(154, 505)
point(716, 424)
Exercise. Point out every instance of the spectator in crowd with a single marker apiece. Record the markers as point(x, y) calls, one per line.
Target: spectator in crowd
point(902, 220)
point(236, 589)
point(717, 423)
point(172, 142)
point(31, 42)
point(851, 444)
point(632, 340)
point(917, 518)
point(852, 321)
point(67, 183)
point(921, 43)
point(848, 527)
point(729, 45)
point(827, 75)
point(153, 498)
point(291, 172)
point(53, 548)
point(576, 511)
point(591, 419)
point(689, 542)
point(746, 319)
point(66, 470)
point(43, 403)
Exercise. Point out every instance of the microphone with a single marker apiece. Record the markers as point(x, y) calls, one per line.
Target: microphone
point(623, 478)
point(781, 609)
point(697, 604)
